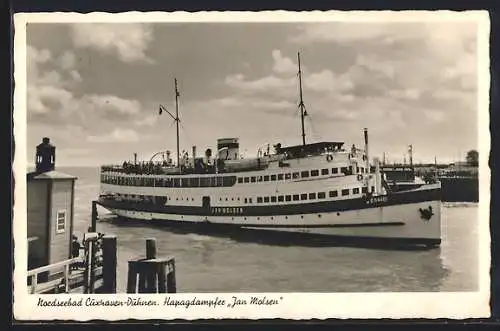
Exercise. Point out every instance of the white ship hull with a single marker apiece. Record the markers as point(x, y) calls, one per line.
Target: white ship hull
point(404, 223)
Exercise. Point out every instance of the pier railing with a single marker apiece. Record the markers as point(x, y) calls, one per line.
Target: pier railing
point(95, 272)
point(55, 284)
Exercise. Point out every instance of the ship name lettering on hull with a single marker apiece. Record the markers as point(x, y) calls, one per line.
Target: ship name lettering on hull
point(375, 200)
point(227, 210)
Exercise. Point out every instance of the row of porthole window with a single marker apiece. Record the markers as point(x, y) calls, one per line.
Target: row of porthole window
point(149, 198)
point(213, 181)
point(268, 199)
point(301, 174)
point(308, 196)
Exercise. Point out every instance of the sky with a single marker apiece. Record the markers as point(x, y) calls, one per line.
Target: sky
point(95, 88)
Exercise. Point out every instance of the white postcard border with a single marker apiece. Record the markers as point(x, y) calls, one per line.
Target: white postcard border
point(290, 305)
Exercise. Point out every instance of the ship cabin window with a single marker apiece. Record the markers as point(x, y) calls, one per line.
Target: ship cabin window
point(226, 199)
point(288, 176)
point(335, 170)
point(373, 189)
point(304, 174)
point(247, 180)
point(266, 199)
point(252, 179)
point(259, 199)
point(259, 179)
point(240, 180)
point(312, 195)
point(273, 199)
point(295, 197)
point(280, 198)
point(176, 182)
point(245, 200)
point(220, 181)
point(303, 196)
point(273, 177)
point(185, 182)
point(345, 192)
point(295, 175)
point(205, 182)
point(266, 178)
point(314, 173)
point(288, 198)
point(321, 195)
point(324, 172)
point(364, 189)
point(194, 182)
point(333, 194)
point(280, 176)
point(249, 200)
point(355, 190)
point(357, 170)
point(343, 170)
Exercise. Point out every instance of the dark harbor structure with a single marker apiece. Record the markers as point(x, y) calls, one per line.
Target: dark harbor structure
point(57, 262)
point(50, 211)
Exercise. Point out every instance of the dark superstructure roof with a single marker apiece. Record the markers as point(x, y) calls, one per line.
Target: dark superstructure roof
point(314, 148)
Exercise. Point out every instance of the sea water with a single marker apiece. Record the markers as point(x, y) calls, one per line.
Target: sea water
point(207, 263)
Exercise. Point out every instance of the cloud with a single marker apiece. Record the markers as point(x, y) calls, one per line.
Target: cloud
point(146, 121)
point(443, 35)
point(128, 41)
point(283, 65)
point(117, 135)
point(67, 60)
point(435, 116)
point(273, 83)
point(51, 98)
point(110, 105)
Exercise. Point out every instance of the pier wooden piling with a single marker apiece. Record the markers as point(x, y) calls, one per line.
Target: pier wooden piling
point(151, 274)
point(109, 268)
point(93, 225)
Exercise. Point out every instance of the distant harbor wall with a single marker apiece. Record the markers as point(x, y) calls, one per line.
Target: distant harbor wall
point(460, 189)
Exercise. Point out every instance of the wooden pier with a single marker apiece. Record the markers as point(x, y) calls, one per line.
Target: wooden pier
point(151, 274)
point(55, 262)
point(95, 272)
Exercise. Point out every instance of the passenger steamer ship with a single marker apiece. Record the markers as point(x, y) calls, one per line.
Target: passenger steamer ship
point(313, 189)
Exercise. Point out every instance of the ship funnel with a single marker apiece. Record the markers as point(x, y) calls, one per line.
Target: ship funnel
point(232, 146)
point(45, 156)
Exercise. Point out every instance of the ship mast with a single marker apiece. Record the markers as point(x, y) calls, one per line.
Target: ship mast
point(177, 119)
point(302, 107)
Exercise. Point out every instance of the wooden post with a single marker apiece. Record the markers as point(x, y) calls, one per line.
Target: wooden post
point(66, 278)
point(132, 277)
point(86, 275)
point(94, 216)
point(171, 285)
point(109, 264)
point(142, 279)
point(150, 248)
point(149, 275)
point(162, 278)
point(92, 266)
point(34, 280)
